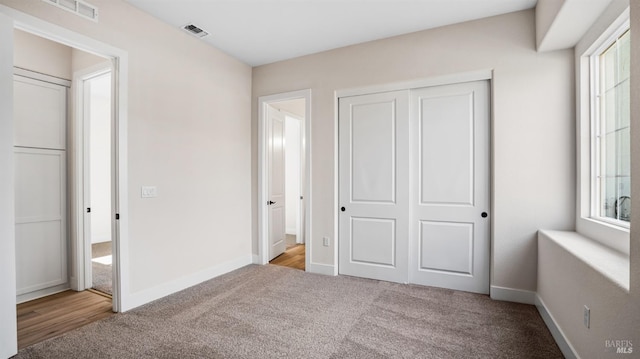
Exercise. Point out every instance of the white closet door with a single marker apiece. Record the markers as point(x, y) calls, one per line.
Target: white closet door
point(40, 111)
point(40, 114)
point(450, 187)
point(41, 242)
point(374, 191)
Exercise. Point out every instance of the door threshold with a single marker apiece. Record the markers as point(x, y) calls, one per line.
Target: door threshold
point(106, 295)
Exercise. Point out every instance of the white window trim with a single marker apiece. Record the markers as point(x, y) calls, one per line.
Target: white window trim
point(594, 64)
point(603, 31)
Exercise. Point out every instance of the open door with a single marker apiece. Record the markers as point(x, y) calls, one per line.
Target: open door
point(97, 183)
point(276, 179)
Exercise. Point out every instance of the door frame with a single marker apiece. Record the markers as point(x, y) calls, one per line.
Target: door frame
point(471, 76)
point(11, 19)
point(82, 260)
point(263, 221)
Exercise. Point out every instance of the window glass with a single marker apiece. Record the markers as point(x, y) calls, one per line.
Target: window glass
point(612, 152)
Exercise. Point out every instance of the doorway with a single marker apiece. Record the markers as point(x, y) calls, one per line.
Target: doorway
point(48, 144)
point(414, 186)
point(10, 21)
point(285, 163)
point(283, 180)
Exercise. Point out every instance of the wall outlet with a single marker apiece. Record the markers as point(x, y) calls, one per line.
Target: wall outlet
point(148, 191)
point(325, 241)
point(587, 316)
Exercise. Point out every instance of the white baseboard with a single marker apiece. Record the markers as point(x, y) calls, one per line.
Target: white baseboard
point(325, 269)
point(513, 295)
point(291, 231)
point(148, 295)
point(96, 240)
point(558, 335)
point(256, 259)
point(42, 293)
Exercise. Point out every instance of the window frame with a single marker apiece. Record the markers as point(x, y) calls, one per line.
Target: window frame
point(603, 31)
point(596, 121)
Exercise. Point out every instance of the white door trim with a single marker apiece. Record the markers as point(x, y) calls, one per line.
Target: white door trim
point(419, 83)
point(36, 26)
point(450, 79)
point(263, 223)
point(80, 234)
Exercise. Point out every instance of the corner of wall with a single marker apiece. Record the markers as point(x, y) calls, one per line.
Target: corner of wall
point(558, 335)
point(512, 295)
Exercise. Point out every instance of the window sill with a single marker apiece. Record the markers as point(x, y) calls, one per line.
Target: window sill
point(614, 237)
point(612, 264)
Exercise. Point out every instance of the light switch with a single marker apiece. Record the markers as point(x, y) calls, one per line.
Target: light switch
point(149, 192)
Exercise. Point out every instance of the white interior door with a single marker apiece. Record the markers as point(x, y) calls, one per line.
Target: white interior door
point(40, 187)
point(94, 99)
point(450, 190)
point(276, 185)
point(374, 194)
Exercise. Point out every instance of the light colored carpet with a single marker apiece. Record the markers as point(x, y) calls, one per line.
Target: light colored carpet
point(100, 249)
point(101, 274)
point(277, 312)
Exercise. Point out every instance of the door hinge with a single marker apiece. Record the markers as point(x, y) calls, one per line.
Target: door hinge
point(117, 215)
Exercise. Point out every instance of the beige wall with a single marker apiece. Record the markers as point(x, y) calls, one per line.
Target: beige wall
point(83, 60)
point(533, 125)
point(189, 134)
point(37, 54)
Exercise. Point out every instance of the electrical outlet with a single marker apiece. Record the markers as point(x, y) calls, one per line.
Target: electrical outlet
point(587, 316)
point(325, 241)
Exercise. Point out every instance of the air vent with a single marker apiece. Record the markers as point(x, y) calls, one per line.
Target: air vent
point(77, 7)
point(194, 30)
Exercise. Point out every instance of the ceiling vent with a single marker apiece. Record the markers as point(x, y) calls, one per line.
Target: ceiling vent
point(194, 30)
point(77, 7)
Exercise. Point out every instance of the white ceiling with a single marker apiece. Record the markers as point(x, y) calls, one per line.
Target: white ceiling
point(259, 32)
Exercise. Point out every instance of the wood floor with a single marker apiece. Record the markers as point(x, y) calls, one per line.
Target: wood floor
point(292, 257)
point(56, 314)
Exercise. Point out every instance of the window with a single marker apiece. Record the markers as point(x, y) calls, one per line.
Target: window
point(610, 142)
